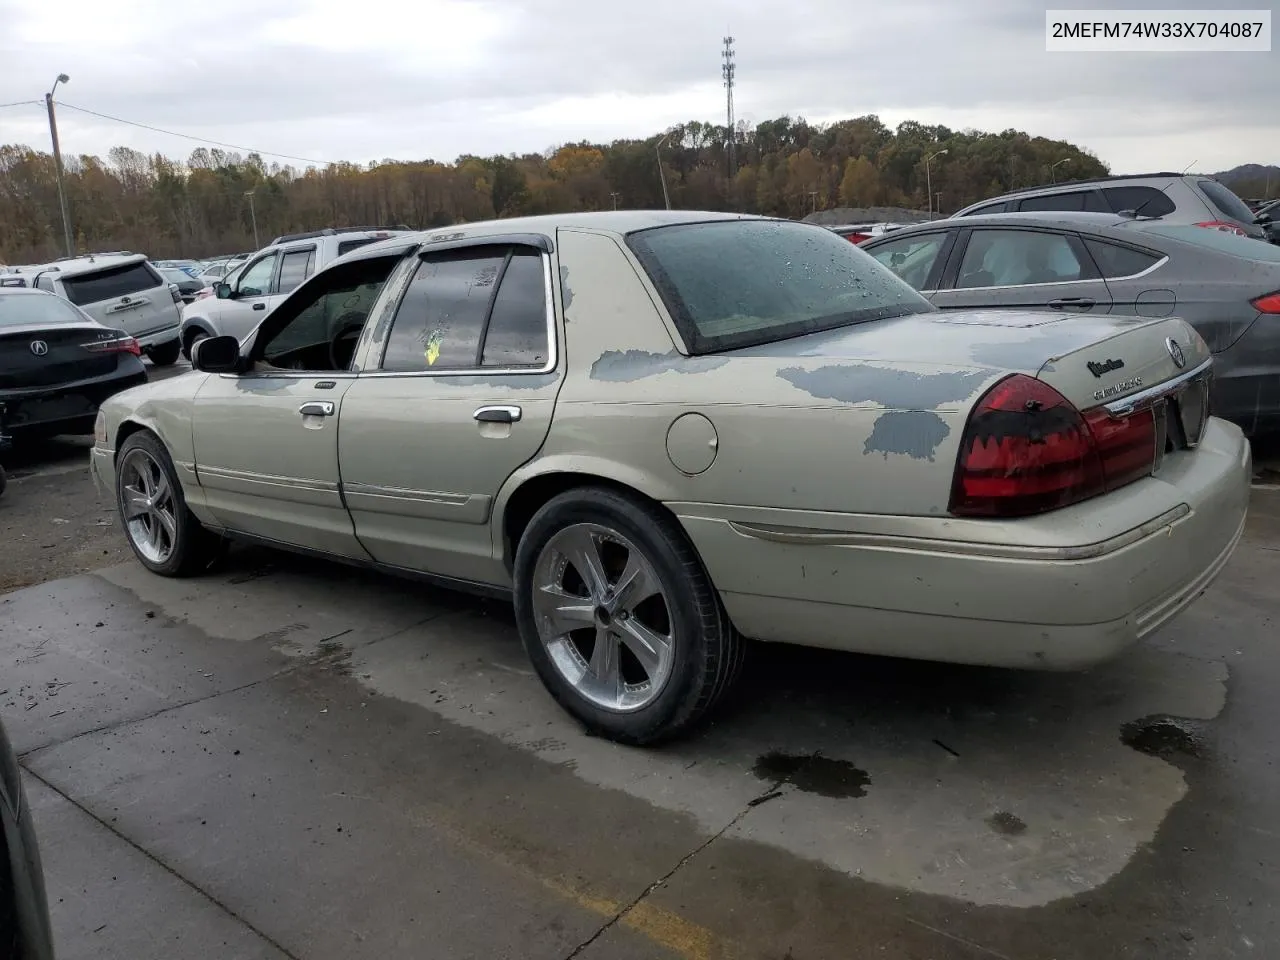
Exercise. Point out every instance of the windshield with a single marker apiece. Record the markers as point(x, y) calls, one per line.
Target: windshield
point(1220, 240)
point(18, 309)
point(736, 283)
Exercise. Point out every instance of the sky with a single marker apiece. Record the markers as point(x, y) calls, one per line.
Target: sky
point(365, 80)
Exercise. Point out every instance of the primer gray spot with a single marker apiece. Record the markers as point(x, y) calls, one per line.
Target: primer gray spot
point(915, 433)
point(515, 381)
point(566, 292)
point(859, 383)
point(624, 366)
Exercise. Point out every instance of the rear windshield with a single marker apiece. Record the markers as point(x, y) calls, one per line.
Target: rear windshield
point(1219, 240)
point(20, 308)
point(736, 283)
point(346, 246)
point(111, 283)
point(1228, 204)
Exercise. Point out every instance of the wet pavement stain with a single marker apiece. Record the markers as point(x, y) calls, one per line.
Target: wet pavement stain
point(813, 773)
point(1163, 736)
point(1011, 825)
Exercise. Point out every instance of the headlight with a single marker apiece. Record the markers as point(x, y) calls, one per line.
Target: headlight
point(100, 430)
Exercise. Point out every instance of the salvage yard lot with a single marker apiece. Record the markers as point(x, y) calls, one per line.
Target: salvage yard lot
point(288, 758)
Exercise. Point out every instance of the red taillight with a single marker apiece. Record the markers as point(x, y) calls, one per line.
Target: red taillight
point(857, 237)
point(1027, 450)
point(1225, 226)
point(1268, 304)
point(115, 345)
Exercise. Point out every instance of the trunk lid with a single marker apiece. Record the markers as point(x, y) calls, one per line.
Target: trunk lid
point(34, 356)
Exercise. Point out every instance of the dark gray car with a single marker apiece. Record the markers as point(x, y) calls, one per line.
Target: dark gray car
point(1226, 286)
point(24, 910)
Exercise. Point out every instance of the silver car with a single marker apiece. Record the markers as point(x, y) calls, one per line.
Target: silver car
point(660, 432)
point(1226, 286)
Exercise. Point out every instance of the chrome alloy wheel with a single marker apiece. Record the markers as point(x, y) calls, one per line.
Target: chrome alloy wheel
point(603, 616)
point(148, 506)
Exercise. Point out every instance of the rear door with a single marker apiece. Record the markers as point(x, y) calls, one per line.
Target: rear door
point(1021, 268)
point(133, 297)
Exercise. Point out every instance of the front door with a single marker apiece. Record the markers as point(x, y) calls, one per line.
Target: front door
point(266, 441)
point(252, 297)
point(458, 394)
point(1028, 269)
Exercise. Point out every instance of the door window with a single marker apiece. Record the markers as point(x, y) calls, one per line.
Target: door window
point(1149, 201)
point(295, 266)
point(911, 258)
point(256, 280)
point(319, 328)
point(483, 306)
point(1072, 200)
point(1001, 258)
point(1116, 261)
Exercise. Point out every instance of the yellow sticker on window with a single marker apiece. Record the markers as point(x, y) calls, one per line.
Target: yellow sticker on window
point(433, 349)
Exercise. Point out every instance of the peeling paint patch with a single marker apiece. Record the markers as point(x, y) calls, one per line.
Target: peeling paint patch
point(914, 433)
point(859, 383)
point(566, 292)
point(624, 366)
point(516, 381)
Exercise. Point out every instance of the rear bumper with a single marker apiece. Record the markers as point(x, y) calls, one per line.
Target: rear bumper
point(155, 338)
point(1246, 379)
point(1041, 594)
point(69, 404)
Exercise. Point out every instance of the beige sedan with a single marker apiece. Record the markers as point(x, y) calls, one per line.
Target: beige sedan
point(661, 433)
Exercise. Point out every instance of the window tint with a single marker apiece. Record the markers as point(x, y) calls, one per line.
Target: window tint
point(111, 283)
point(295, 266)
point(28, 308)
point(1000, 207)
point(911, 258)
point(733, 283)
point(1073, 200)
point(998, 258)
point(335, 304)
point(1228, 204)
point(1152, 202)
point(517, 332)
point(441, 317)
point(256, 281)
point(44, 283)
point(1116, 261)
point(346, 246)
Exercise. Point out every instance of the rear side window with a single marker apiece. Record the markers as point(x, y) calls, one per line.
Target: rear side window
point(1116, 261)
point(517, 331)
point(1148, 201)
point(346, 246)
point(1001, 207)
point(296, 266)
point(735, 283)
point(1226, 202)
point(111, 283)
point(44, 283)
point(1072, 200)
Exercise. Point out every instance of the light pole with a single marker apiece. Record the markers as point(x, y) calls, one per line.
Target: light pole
point(658, 150)
point(615, 200)
point(253, 215)
point(1053, 177)
point(928, 178)
point(57, 163)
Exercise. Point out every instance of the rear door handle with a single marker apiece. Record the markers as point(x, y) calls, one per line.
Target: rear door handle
point(497, 414)
point(259, 306)
point(1068, 303)
point(317, 408)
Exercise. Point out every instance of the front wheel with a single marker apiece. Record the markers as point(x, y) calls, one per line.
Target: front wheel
point(619, 618)
point(163, 533)
point(165, 354)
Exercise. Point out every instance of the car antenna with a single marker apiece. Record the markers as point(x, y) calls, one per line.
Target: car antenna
point(1133, 215)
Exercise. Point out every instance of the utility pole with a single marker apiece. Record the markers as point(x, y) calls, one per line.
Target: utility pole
point(614, 196)
point(253, 216)
point(813, 195)
point(928, 178)
point(727, 71)
point(57, 164)
point(658, 150)
point(938, 205)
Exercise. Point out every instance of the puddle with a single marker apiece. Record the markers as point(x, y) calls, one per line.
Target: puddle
point(1163, 736)
point(1011, 825)
point(814, 773)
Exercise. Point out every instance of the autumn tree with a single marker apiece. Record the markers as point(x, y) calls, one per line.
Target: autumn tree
point(860, 185)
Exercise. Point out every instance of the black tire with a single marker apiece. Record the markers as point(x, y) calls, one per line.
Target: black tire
point(190, 341)
point(194, 548)
point(166, 354)
point(707, 650)
point(4, 481)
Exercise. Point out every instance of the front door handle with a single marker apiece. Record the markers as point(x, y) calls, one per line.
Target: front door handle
point(317, 408)
point(498, 414)
point(259, 306)
point(1073, 303)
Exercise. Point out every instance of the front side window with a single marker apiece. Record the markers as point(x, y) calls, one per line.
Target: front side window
point(256, 280)
point(911, 258)
point(1002, 258)
point(737, 283)
point(111, 283)
point(477, 307)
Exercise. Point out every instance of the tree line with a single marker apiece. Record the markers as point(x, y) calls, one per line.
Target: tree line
point(208, 204)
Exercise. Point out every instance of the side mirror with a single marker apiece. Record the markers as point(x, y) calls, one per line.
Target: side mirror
point(216, 355)
point(222, 291)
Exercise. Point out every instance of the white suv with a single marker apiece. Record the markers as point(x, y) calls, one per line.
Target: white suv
point(256, 287)
point(121, 290)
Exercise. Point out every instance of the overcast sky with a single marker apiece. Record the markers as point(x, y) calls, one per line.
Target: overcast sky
point(363, 80)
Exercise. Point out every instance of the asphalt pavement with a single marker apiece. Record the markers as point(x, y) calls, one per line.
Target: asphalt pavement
point(289, 758)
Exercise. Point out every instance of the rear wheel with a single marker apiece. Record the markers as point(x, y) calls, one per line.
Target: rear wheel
point(619, 618)
point(165, 354)
point(163, 533)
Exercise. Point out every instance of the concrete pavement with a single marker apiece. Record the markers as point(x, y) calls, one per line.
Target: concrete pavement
point(289, 758)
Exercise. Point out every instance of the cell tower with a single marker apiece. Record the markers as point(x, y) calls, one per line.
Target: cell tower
point(727, 71)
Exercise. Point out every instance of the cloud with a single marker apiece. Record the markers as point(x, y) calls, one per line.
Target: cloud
point(332, 80)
